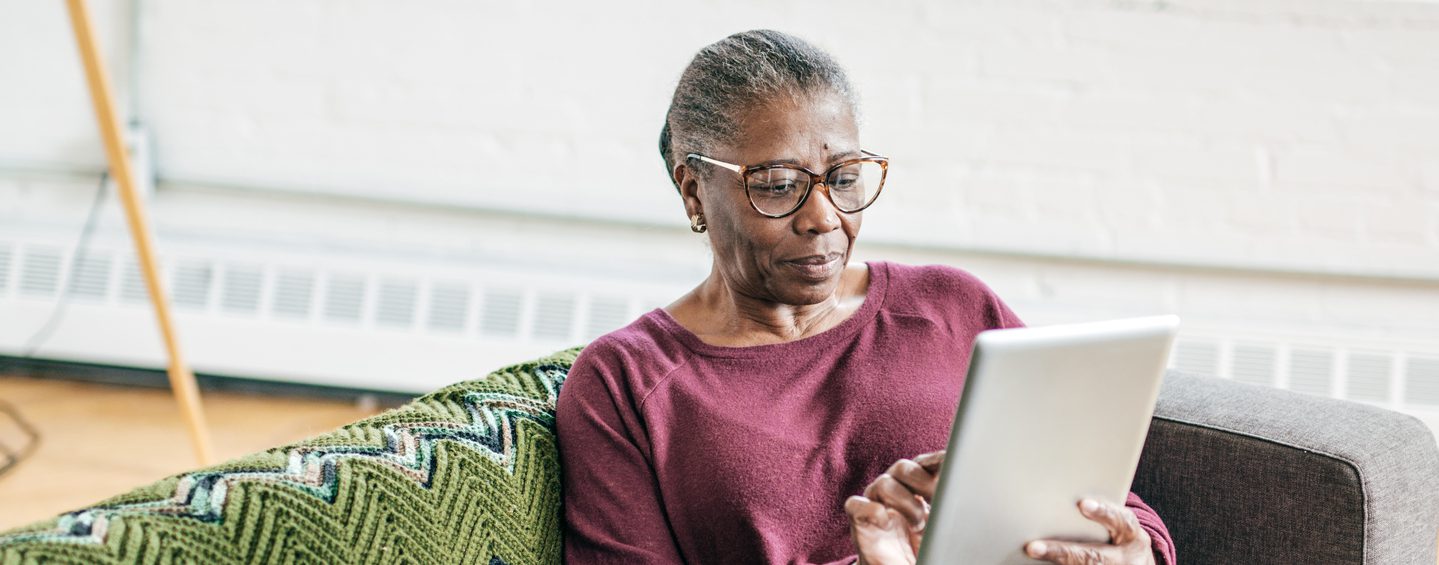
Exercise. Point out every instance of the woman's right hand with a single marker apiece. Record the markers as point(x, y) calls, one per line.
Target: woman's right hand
point(887, 522)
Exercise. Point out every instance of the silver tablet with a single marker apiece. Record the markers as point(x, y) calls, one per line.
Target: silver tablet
point(1049, 415)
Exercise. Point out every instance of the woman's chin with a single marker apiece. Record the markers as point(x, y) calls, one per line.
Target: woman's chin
point(814, 273)
point(803, 292)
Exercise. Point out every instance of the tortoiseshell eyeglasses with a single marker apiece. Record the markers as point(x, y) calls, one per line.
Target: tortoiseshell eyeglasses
point(779, 189)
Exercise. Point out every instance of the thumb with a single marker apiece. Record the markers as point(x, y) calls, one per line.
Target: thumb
point(881, 534)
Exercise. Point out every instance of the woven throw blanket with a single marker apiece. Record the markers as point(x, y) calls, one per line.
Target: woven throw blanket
point(467, 474)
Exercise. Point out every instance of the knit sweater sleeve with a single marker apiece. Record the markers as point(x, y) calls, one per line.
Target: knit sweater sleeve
point(612, 504)
point(1160, 541)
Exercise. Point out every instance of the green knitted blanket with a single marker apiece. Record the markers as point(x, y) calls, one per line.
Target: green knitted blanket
point(467, 474)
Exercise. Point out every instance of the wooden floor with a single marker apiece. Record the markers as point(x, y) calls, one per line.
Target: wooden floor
point(98, 440)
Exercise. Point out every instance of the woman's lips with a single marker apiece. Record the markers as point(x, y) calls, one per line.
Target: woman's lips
point(815, 267)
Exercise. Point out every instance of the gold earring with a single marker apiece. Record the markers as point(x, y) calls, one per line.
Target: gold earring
point(697, 223)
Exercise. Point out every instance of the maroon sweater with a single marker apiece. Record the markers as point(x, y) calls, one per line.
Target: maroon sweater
point(677, 451)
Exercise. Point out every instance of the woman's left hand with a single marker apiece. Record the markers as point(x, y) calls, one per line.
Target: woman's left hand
point(1128, 543)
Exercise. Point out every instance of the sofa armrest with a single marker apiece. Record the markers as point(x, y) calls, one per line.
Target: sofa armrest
point(1248, 474)
point(469, 473)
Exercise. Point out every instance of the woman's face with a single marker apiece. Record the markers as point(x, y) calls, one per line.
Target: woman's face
point(797, 259)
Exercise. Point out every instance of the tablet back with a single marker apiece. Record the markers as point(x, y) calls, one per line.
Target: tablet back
point(1049, 415)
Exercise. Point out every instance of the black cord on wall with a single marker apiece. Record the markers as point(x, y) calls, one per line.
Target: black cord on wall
point(57, 314)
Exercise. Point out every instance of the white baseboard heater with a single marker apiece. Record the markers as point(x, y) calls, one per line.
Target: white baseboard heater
point(350, 321)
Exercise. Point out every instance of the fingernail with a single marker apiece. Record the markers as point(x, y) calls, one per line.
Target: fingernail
point(1088, 505)
point(919, 527)
point(1036, 548)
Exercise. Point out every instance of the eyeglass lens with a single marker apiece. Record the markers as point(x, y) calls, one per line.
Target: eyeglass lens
point(778, 190)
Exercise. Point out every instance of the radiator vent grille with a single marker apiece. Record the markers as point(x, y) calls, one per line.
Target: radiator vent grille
point(5, 255)
point(294, 295)
point(240, 292)
point(1196, 357)
point(396, 304)
point(344, 298)
point(500, 314)
point(1421, 384)
point(509, 311)
point(192, 284)
point(132, 283)
point(554, 316)
point(1311, 371)
point(449, 307)
point(40, 272)
point(91, 278)
point(1368, 377)
point(606, 313)
point(1254, 364)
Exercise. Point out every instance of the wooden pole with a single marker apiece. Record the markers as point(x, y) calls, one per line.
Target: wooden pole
point(182, 380)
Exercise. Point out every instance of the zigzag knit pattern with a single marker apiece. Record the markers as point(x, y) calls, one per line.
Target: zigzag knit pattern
point(467, 474)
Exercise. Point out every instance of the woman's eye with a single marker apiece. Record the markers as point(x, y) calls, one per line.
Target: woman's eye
point(846, 182)
point(774, 189)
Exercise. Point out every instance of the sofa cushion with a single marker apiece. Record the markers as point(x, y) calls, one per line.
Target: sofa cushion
point(1230, 498)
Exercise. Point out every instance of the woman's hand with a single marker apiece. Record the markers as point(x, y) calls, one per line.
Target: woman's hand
point(1128, 543)
point(887, 522)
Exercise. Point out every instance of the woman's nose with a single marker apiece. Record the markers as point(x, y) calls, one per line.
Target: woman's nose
point(817, 214)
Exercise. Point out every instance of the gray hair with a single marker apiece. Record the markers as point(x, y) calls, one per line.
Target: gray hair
point(743, 70)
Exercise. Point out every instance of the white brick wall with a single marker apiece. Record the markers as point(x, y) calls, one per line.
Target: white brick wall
point(1204, 131)
point(1264, 164)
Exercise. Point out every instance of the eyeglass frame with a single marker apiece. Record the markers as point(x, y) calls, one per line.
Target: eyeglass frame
point(815, 179)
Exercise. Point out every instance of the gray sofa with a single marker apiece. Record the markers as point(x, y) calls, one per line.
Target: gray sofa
point(1250, 475)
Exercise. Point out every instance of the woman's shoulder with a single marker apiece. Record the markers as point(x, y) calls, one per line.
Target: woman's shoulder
point(639, 338)
point(932, 279)
point(627, 360)
point(945, 291)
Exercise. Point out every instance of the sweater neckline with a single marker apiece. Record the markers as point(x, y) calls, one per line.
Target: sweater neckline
point(874, 297)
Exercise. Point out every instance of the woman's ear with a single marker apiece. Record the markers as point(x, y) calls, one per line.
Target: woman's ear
point(687, 180)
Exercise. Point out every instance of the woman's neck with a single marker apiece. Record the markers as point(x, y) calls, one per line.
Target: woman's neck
point(722, 315)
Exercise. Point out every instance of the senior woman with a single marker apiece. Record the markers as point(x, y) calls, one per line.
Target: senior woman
point(791, 407)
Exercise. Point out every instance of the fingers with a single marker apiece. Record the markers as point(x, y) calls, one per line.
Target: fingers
point(879, 533)
point(931, 461)
point(1069, 553)
point(914, 475)
point(1122, 524)
point(1127, 539)
point(865, 512)
point(892, 493)
point(906, 488)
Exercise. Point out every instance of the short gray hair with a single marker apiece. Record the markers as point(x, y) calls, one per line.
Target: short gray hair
point(740, 71)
